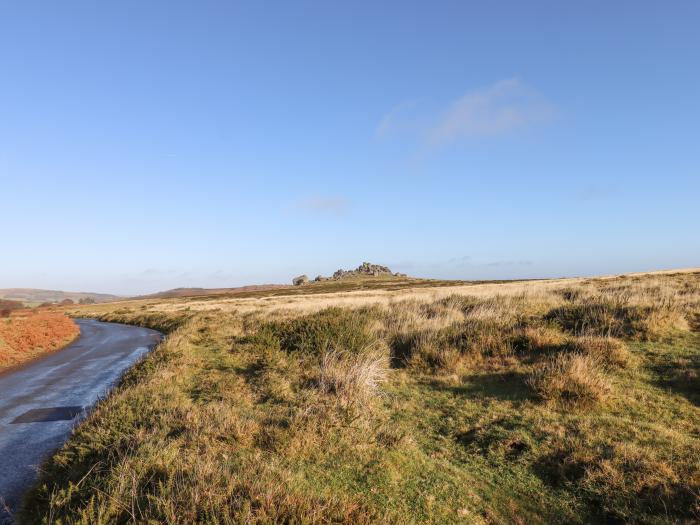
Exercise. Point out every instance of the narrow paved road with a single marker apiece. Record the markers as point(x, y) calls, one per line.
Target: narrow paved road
point(41, 401)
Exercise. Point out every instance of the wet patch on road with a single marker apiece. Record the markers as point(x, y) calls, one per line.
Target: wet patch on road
point(44, 415)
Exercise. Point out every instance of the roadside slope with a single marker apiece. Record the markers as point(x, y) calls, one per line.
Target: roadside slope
point(41, 399)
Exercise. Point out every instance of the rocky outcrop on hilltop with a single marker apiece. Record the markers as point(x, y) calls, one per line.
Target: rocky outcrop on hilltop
point(364, 270)
point(298, 281)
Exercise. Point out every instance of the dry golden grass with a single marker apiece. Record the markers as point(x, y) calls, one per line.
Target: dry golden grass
point(606, 350)
point(542, 337)
point(354, 378)
point(605, 304)
point(571, 379)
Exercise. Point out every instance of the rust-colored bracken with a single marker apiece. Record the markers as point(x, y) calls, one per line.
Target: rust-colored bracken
point(26, 334)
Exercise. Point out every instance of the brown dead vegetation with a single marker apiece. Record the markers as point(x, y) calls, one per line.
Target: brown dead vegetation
point(27, 334)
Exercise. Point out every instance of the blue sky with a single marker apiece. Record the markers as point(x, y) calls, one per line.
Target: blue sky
point(148, 145)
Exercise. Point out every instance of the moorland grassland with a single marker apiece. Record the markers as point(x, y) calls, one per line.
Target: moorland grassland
point(558, 401)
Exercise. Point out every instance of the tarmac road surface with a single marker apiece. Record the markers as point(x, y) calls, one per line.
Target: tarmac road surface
point(42, 400)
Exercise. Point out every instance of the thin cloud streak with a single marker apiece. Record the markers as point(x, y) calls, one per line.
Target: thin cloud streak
point(502, 108)
point(397, 120)
point(326, 205)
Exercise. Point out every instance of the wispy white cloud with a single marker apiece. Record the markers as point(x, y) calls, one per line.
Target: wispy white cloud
point(325, 205)
point(499, 109)
point(396, 120)
point(502, 108)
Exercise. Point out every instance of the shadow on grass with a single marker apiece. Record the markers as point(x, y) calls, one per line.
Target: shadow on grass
point(675, 366)
point(695, 323)
point(681, 377)
point(504, 386)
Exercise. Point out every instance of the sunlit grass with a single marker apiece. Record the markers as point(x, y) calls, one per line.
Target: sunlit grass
point(533, 402)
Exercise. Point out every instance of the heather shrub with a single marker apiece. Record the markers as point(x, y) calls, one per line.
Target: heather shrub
point(616, 316)
point(330, 328)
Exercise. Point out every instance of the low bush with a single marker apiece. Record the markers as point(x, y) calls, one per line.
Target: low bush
point(330, 328)
point(7, 307)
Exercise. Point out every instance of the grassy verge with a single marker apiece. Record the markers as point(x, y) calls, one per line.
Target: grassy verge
point(573, 404)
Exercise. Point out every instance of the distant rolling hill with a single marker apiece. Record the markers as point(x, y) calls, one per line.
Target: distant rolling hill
point(35, 296)
point(193, 292)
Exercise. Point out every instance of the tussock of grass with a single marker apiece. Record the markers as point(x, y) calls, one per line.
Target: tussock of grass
point(353, 378)
point(540, 338)
point(606, 350)
point(571, 379)
point(429, 354)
